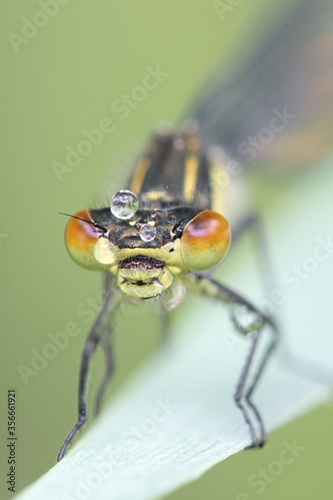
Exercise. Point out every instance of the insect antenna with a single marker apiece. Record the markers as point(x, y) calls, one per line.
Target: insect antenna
point(98, 226)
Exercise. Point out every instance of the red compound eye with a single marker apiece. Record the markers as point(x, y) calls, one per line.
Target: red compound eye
point(81, 238)
point(205, 241)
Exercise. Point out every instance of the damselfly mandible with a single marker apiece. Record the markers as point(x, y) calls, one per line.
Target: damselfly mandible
point(166, 228)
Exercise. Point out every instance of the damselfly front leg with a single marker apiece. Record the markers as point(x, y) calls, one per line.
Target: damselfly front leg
point(253, 223)
point(251, 322)
point(106, 344)
point(93, 340)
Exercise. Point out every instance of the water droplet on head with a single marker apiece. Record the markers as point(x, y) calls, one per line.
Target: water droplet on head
point(245, 320)
point(124, 204)
point(147, 232)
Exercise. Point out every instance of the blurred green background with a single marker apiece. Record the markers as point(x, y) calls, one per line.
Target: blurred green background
point(60, 81)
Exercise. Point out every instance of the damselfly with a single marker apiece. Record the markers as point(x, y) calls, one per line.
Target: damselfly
point(165, 229)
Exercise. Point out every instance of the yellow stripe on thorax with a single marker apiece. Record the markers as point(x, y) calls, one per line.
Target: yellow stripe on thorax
point(139, 175)
point(190, 177)
point(219, 180)
point(155, 195)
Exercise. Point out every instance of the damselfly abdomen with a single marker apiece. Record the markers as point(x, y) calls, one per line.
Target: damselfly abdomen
point(167, 227)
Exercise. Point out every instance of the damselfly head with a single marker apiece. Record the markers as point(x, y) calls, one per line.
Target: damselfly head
point(145, 252)
point(167, 224)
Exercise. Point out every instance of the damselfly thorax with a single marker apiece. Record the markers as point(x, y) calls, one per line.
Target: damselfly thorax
point(173, 227)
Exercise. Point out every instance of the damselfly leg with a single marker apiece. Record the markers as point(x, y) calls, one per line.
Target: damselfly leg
point(93, 340)
point(106, 345)
point(254, 223)
point(250, 322)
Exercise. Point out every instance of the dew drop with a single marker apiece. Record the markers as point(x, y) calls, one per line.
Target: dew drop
point(124, 204)
point(147, 232)
point(245, 320)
